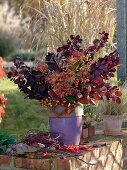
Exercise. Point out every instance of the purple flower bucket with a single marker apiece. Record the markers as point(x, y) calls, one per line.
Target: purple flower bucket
point(69, 129)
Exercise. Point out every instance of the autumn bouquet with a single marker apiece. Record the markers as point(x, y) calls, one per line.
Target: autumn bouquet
point(71, 75)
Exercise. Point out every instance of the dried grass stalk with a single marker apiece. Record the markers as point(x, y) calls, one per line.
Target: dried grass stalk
point(56, 20)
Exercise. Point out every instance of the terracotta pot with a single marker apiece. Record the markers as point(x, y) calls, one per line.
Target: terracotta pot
point(68, 126)
point(112, 124)
point(85, 133)
point(91, 131)
point(88, 132)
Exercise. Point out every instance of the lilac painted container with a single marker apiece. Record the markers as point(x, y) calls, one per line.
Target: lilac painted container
point(69, 129)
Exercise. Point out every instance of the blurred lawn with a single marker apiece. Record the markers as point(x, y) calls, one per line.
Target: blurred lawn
point(21, 114)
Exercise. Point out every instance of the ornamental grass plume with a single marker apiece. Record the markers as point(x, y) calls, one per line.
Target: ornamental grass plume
point(55, 20)
point(71, 75)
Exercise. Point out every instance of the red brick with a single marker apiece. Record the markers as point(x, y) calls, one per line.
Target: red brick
point(32, 163)
point(103, 151)
point(124, 156)
point(110, 161)
point(62, 164)
point(108, 155)
point(5, 160)
point(97, 166)
point(85, 166)
point(90, 157)
point(119, 154)
point(116, 145)
point(75, 163)
point(117, 167)
point(125, 164)
point(124, 152)
point(107, 162)
point(78, 164)
point(96, 153)
point(124, 141)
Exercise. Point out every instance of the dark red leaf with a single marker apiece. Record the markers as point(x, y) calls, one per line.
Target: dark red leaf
point(92, 102)
point(118, 100)
point(97, 96)
point(83, 100)
point(118, 93)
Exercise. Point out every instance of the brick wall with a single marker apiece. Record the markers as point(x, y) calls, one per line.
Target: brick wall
point(110, 157)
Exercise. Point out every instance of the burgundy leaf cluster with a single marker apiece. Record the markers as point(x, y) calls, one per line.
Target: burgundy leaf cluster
point(58, 61)
point(31, 82)
point(45, 138)
point(103, 70)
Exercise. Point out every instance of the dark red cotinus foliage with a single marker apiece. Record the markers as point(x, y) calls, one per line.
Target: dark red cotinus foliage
point(31, 82)
point(103, 70)
point(88, 75)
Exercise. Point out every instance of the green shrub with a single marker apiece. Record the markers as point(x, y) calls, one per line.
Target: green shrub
point(7, 44)
point(5, 141)
point(23, 56)
point(89, 112)
point(14, 27)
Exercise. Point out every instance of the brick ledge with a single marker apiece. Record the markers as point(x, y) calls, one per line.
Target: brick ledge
point(112, 156)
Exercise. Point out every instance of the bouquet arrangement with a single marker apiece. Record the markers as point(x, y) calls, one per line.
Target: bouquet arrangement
point(71, 75)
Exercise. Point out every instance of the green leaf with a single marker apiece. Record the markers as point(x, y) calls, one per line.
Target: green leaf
point(44, 127)
point(5, 141)
point(48, 71)
point(1, 141)
point(8, 142)
point(71, 83)
point(82, 84)
point(11, 141)
point(3, 148)
point(4, 136)
point(70, 98)
point(12, 136)
point(78, 64)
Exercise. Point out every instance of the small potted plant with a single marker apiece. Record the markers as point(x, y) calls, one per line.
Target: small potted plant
point(88, 129)
point(66, 80)
point(113, 113)
point(89, 121)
